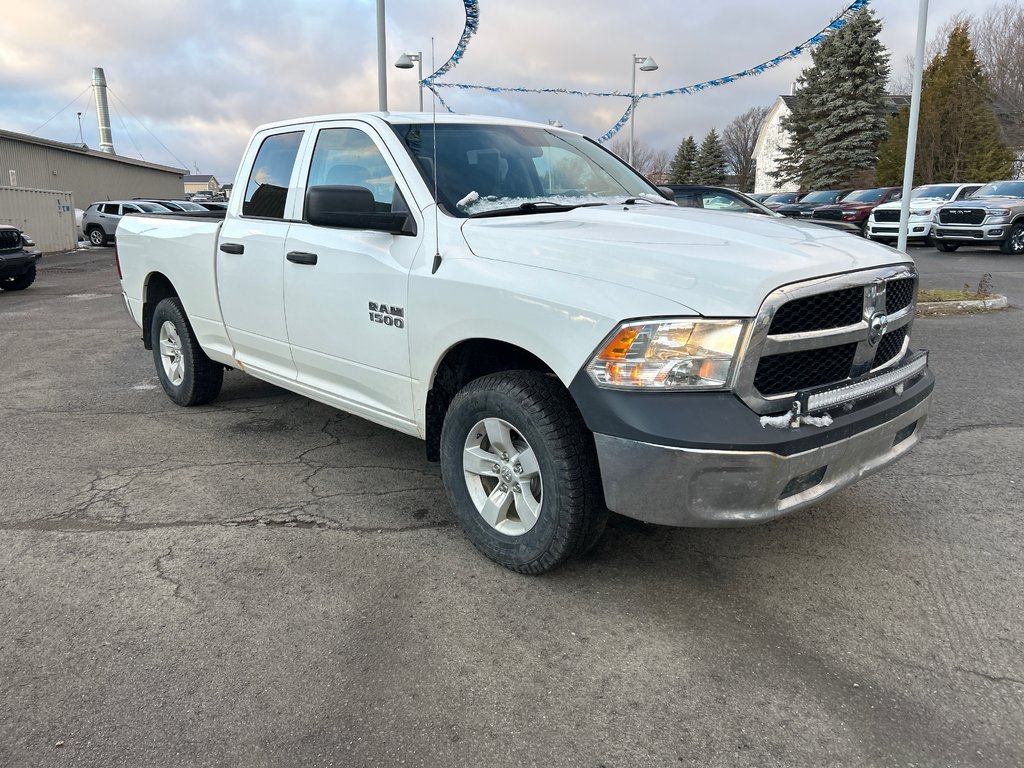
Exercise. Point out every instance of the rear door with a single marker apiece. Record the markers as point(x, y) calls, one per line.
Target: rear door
point(250, 254)
point(345, 290)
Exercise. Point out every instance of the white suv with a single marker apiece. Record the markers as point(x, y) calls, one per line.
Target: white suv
point(884, 221)
point(99, 221)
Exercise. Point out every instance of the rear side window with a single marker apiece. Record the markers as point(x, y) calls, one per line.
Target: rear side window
point(112, 208)
point(267, 192)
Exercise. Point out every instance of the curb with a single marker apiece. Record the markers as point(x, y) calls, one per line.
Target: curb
point(966, 307)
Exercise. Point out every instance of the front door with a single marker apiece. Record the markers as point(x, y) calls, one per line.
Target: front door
point(345, 290)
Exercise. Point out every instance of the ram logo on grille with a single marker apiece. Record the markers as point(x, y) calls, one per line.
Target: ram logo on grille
point(877, 327)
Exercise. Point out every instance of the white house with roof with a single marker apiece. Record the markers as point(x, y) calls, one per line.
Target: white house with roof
point(773, 139)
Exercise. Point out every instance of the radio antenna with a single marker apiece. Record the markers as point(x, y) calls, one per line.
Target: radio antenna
point(437, 203)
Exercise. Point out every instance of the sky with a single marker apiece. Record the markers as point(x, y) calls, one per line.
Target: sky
point(190, 79)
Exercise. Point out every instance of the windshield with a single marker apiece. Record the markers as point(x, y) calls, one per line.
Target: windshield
point(934, 192)
point(821, 197)
point(1001, 189)
point(782, 197)
point(483, 168)
point(864, 196)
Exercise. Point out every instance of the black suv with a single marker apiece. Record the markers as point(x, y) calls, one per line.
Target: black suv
point(17, 263)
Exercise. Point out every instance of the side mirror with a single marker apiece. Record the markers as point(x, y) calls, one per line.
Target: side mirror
point(347, 207)
point(667, 192)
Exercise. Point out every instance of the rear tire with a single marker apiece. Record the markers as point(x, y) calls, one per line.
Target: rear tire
point(19, 282)
point(945, 247)
point(520, 470)
point(97, 237)
point(1014, 242)
point(187, 375)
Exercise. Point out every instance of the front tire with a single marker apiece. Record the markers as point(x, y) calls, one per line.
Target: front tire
point(19, 282)
point(187, 375)
point(521, 472)
point(1014, 242)
point(945, 247)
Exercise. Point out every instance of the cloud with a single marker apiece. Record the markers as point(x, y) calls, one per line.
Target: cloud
point(197, 77)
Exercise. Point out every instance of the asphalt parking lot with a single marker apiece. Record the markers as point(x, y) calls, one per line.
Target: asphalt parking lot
point(268, 582)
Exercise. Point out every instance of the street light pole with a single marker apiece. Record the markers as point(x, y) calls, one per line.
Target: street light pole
point(647, 64)
point(382, 67)
point(405, 62)
point(915, 109)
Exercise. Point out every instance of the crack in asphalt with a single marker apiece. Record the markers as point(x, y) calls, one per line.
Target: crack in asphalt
point(992, 678)
point(162, 574)
point(245, 520)
point(967, 428)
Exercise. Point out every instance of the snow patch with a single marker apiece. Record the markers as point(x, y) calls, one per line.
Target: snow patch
point(788, 421)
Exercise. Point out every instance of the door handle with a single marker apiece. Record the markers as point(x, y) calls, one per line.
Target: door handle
point(232, 247)
point(300, 257)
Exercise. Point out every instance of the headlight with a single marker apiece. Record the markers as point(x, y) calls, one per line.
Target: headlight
point(922, 212)
point(668, 354)
point(998, 211)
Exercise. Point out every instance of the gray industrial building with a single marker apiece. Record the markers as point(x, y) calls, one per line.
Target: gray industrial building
point(34, 163)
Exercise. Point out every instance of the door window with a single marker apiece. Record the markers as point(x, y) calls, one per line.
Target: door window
point(267, 192)
point(347, 156)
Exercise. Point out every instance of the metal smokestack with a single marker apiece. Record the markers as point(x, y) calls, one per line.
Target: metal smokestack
point(99, 88)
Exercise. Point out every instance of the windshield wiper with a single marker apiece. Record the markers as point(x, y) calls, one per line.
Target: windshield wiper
point(649, 201)
point(540, 206)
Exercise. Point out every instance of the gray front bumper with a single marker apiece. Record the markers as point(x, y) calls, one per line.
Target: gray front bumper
point(718, 488)
point(983, 233)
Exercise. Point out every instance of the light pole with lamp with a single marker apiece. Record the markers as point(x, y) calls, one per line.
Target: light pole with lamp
point(405, 61)
point(647, 64)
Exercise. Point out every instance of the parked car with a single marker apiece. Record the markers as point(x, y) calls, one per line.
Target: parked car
point(782, 198)
point(18, 259)
point(725, 199)
point(758, 197)
point(858, 205)
point(884, 221)
point(805, 205)
point(994, 215)
point(100, 219)
point(174, 205)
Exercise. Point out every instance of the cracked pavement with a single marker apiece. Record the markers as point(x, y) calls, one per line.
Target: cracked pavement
point(268, 582)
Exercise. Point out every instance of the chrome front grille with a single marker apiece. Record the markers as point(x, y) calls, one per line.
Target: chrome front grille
point(826, 331)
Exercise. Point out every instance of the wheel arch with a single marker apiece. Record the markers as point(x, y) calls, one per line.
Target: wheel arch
point(462, 363)
point(155, 289)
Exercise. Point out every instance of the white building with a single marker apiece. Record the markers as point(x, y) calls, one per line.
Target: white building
point(772, 140)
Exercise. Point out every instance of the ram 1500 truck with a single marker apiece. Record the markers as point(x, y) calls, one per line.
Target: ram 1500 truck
point(563, 338)
point(994, 215)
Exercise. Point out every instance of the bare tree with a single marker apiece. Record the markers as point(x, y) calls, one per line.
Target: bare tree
point(998, 38)
point(652, 163)
point(738, 141)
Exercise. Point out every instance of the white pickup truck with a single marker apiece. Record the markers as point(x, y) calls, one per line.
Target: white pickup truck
point(564, 339)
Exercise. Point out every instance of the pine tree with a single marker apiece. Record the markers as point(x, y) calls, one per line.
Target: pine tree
point(710, 165)
point(839, 118)
point(958, 136)
point(682, 169)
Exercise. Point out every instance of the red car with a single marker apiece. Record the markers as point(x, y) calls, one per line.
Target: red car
point(858, 205)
